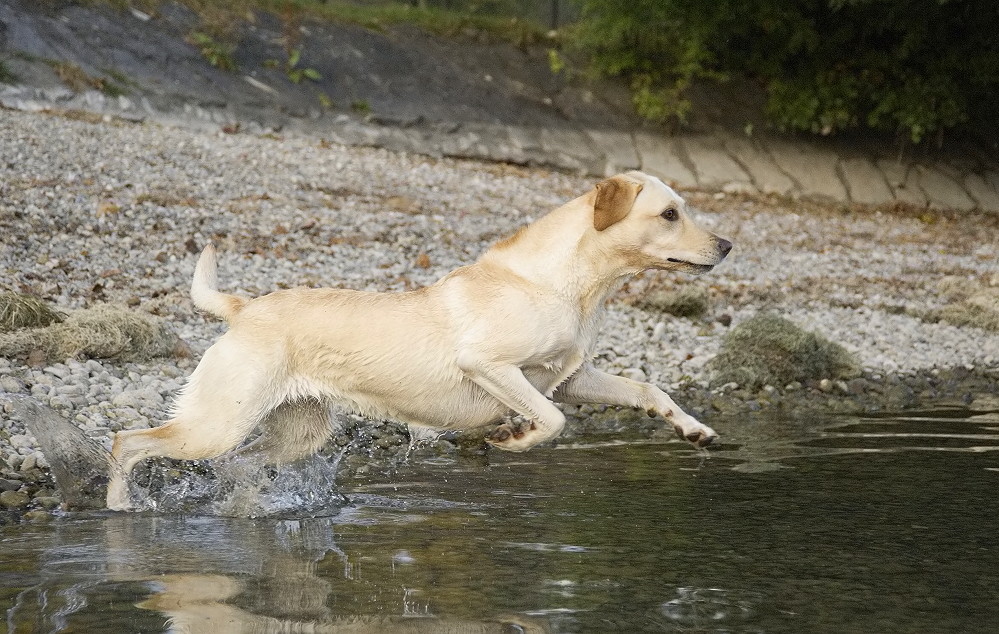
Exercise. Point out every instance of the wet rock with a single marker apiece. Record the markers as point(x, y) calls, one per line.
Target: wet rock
point(48, 502)
point(857, 386)
point(9, 485)
point(14, 499)
point(388, 441)
point(898, 397)
point(38, 515)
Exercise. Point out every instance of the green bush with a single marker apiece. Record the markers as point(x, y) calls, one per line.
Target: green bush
point(909, 67)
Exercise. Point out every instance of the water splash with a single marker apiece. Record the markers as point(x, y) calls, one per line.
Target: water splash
point(232, 486)
point(240, 486)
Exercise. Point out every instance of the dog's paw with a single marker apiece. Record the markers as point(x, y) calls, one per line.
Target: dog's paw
point(696, 433)
point(118, 497)
point(511, 437)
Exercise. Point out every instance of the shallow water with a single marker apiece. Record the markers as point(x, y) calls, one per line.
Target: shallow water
point(842, 525)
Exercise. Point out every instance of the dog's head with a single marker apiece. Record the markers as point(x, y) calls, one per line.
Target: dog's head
point(647, 222)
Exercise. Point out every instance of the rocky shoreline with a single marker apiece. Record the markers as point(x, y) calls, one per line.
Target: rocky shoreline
point(98, 212)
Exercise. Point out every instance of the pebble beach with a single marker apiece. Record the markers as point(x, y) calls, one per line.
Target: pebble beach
point(99, 210)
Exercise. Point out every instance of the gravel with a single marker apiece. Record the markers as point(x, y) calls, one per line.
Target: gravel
point(110, 211)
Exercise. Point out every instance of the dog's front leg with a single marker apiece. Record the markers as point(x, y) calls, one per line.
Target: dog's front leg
point(508, 384)
point(589, 385)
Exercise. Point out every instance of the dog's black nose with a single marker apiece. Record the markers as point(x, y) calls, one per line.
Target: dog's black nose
point(724, 246)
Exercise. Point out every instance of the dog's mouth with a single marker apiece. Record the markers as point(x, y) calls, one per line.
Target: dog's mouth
point(691, 266)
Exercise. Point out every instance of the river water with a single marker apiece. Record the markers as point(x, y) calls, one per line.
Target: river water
point(818, 525)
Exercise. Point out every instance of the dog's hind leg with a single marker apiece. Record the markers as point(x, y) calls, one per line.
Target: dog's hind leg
point(292, 431)
point(224, 400)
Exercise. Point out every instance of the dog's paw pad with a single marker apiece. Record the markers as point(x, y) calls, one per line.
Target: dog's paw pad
point(501, 433)
point(700, 438)
point(697, 437)
point(512, 437)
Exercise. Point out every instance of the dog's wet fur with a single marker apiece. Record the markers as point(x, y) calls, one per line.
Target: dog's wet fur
point(514, 331)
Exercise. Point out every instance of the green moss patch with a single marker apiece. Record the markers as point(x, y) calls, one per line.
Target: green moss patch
point(770, 350)
point(686, 302)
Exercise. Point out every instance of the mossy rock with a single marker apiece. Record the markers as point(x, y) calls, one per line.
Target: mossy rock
point(18, 310)
point(770, 350)
point(103, 331)
point(686, 302)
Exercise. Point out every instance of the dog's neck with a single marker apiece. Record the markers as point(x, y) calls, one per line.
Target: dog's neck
point(559, 253)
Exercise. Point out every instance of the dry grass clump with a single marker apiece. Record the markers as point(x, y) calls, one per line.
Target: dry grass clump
point(971, 304)
point(25, 311)
point(770, 350)
point(103, 331)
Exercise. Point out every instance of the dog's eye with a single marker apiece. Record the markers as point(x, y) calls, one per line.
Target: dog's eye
point(669, 214)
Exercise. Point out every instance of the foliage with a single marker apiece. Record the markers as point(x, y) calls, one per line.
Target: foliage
point(912, 67)
point(216, 52)
point(79, 80)
point(297, 74)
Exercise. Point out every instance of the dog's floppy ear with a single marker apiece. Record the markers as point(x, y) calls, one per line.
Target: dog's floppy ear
point(615, 196)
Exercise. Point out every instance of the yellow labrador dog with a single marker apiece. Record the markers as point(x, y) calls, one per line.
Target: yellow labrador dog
point(513, 331)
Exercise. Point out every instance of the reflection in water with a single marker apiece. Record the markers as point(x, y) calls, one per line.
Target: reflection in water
point(845, 524)
point(699, 606)
point(761, 444)
point(264, 578)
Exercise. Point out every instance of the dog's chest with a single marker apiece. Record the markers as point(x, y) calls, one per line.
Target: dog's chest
point(568, 346)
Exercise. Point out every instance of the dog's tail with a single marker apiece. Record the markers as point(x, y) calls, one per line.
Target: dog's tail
point(205, 288)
